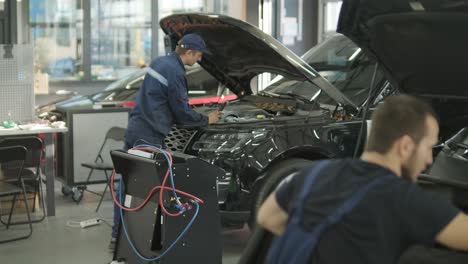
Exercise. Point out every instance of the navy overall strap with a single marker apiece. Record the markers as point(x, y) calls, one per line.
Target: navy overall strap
point(336, 216)
point(298, 205)
point(297, 244)
point(275, 254)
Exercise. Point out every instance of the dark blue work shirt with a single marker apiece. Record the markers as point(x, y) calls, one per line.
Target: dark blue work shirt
point(384, 224)
point(158, 106)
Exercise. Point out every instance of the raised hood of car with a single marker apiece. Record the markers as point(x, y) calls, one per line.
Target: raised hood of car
point(241, 51)
point(421, 44)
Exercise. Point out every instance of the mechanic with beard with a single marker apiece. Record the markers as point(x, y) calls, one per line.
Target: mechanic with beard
point(162, 101)
point(390, 215)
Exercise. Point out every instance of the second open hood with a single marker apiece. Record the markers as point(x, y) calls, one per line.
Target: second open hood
point(421, 44)
point(241, 51)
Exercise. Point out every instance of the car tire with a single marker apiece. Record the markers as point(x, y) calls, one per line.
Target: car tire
point(274, 176)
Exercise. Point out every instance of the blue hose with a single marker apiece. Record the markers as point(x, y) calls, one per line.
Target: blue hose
point(168, 164)
point(197, 207)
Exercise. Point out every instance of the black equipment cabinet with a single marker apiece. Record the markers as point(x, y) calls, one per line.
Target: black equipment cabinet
point(152, 231)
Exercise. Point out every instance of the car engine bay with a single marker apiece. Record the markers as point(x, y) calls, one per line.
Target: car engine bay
point(256, 108)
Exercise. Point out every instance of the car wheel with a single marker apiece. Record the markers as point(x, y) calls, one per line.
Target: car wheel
point(274, 176)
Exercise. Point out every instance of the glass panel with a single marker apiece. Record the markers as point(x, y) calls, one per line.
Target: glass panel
point(120, 37)
point(201, 83)
point(344, 65)
point(56, 27)
point(285, 86)
point(330, 21)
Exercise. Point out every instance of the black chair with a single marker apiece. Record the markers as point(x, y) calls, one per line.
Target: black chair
point(8, 188)
point(116, 134)
point(31, 173)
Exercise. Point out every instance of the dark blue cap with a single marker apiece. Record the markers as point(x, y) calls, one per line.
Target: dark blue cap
point(194, 42)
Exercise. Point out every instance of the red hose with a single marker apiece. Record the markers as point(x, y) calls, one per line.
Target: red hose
point(148, 197)
point(150, 194)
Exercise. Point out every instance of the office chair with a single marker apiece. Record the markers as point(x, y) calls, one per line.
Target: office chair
point(31, 173)
point(14, 188)
point(116, 134)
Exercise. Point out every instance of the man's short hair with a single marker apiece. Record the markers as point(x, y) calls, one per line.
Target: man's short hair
point(179, 50)
point(399, 115)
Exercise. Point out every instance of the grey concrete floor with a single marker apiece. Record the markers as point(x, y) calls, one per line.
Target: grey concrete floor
point(53, 241)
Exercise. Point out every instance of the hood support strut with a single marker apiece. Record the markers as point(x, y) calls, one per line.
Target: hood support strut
point(365, 109)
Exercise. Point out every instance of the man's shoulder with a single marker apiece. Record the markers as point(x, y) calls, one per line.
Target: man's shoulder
point(167, 65)
point(161, 62)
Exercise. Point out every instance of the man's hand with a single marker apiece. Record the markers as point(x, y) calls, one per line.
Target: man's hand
point(214, 116)
point(454, 234)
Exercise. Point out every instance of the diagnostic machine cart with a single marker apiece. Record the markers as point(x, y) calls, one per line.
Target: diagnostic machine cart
point(153, 234)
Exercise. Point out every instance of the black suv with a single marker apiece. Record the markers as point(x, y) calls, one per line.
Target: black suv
point(311, 110)
point(421, 47)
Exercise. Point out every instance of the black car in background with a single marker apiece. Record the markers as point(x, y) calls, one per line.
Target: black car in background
point(202, 89)
point(312, 109)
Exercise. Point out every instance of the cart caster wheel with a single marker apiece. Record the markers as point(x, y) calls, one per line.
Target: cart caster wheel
point(66, 190)
point(77, 195)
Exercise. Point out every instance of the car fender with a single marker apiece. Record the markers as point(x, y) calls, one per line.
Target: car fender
point(303, 152)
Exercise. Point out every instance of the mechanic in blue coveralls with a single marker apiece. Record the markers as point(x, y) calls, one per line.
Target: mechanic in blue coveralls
point(162, 101)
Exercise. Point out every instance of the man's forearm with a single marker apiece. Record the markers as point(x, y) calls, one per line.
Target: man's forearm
point(272, 217)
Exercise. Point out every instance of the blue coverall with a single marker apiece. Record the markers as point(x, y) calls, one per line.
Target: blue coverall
point(159, 106)
point(160, 103)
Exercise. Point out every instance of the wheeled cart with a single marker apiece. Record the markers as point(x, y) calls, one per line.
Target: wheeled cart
point(87, 128)
point(150, 230)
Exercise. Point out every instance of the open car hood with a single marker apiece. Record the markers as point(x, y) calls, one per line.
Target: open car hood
point(422, 45)
point(241, 51)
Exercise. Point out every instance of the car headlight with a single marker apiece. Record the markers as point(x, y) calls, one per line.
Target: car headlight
point(227, 141)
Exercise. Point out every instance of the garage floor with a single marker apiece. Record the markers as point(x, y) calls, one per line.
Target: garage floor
point(53, 241)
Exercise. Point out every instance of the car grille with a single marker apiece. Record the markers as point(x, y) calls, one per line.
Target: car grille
point(178, 138)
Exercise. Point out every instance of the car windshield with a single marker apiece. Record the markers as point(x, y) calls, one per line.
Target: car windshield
point(200, 84)
point(116, 95)
point(283, 86)
point(339, 61)
point(124, 81)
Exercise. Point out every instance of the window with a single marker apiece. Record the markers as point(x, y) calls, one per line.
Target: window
point(344, 65)
point(285, 86)
point(167, 8)
point(330, 14)
point(120, 37)
point(56, 27)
